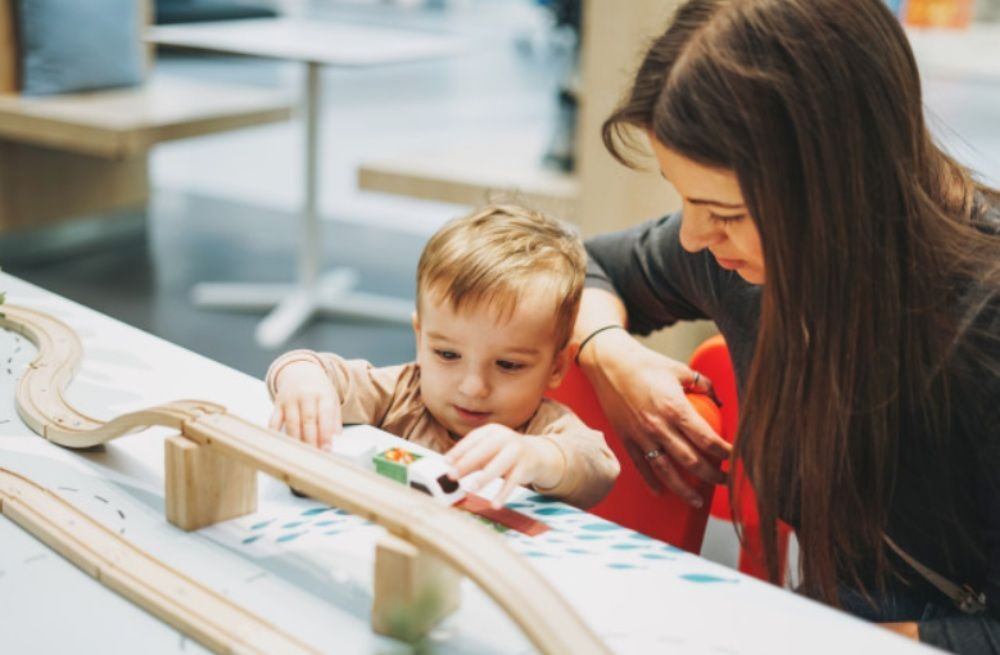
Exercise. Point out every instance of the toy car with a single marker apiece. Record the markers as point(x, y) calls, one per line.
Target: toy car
point(430, 475)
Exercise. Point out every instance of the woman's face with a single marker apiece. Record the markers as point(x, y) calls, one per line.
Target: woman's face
point(715, 215)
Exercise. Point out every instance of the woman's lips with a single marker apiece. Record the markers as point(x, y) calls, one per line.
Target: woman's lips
point(730, 264)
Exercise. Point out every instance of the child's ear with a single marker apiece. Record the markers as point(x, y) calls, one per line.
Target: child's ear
point(415, 322)
point(560, 366)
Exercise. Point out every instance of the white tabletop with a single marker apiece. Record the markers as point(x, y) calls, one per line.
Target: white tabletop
point(313, 41)
point(308, 568)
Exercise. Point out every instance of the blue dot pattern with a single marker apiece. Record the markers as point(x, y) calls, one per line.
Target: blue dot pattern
point(573, 533)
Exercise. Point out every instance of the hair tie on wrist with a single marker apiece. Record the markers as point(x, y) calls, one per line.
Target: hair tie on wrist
point(592, 335)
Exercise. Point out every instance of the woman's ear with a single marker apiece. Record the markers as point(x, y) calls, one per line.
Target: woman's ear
point(560, 365)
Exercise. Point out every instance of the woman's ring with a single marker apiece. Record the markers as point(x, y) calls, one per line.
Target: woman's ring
point(654, 453)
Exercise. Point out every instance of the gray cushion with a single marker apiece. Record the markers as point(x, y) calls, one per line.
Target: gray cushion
point(78, 45)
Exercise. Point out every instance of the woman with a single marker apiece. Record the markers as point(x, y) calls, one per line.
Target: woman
point(854, 270)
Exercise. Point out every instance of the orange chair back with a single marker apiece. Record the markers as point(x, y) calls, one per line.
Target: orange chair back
point(666, 517)
point(712, 359)
point(631, 503)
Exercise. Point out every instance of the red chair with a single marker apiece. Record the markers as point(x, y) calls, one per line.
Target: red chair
point(630, 502)
point(712, 359)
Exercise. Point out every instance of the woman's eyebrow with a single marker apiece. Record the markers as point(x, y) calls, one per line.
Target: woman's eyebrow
point(703, 201)
point(716, 203)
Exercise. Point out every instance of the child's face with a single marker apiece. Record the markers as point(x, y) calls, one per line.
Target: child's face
point(478, 368)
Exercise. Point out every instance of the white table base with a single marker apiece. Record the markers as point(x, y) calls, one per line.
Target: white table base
point(294, 305)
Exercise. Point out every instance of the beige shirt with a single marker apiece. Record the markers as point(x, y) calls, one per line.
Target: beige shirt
point(389, 398)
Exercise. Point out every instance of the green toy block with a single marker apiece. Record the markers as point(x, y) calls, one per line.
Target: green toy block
point(393, 463)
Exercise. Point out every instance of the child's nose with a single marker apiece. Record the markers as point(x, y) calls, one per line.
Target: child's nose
point(474, 385)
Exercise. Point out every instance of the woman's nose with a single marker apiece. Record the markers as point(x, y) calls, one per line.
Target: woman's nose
point(697, 230)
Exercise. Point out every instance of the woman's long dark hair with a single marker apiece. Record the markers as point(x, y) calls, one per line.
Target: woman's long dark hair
point(873, 260)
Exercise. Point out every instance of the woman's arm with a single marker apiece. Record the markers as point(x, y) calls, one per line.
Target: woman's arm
point(641, 391)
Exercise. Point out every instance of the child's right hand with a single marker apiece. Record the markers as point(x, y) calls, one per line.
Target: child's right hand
point(306, 405)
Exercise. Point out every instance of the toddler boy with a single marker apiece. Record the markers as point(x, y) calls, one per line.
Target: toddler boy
point(497, 295)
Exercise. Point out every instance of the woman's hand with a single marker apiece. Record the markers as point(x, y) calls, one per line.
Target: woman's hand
point(642, 393)
point(306, 404)
point(908, 629)
point(498, 451)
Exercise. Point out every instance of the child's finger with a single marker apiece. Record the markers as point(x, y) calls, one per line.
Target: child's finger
point(469, 443)
point(293, 421)
point(329, 422)
point(457, 450)
point(477, 458)
point(501, 464)
point(465, 444)
point(277, 417)
point(310, 422)
point(511, 480)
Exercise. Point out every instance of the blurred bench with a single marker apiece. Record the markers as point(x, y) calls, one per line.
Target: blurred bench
point(73, 156)
point(76, 154)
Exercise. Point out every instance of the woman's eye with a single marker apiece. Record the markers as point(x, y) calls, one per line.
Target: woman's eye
point(724, 219)
point(509, 365)
point(446, 354)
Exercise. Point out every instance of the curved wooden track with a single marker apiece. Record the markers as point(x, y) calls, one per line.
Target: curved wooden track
point(195, 610)
point(470, 548)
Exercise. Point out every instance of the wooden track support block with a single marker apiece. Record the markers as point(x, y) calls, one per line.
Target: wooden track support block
point(204, 487)
point(413, 590)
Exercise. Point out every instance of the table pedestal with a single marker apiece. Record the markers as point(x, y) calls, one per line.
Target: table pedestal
point(295, 305)
point(330, 293)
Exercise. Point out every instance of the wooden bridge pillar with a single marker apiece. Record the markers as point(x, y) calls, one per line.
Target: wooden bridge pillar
point(204, 487)
point(413, 590)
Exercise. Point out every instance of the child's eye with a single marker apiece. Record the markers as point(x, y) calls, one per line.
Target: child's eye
point(508, 365)
point(724, 219)
point(446, 354)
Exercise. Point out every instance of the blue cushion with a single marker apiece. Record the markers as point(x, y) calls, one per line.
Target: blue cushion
point(79, 45)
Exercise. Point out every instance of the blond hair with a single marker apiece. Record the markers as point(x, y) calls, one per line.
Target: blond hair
point(491, 257)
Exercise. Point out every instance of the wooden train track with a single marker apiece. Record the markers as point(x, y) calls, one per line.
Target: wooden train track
point(448, 535)
point(195, 610)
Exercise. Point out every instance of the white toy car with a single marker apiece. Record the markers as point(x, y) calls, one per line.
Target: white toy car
point(430, 475)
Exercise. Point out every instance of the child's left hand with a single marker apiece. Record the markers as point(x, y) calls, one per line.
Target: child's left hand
point(500, 452)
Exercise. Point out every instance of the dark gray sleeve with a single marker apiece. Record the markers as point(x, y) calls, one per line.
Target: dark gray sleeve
point(965, 635)
point(659, 282)
point(980, 634)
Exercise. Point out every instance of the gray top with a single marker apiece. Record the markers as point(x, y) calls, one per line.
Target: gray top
point(661, 283)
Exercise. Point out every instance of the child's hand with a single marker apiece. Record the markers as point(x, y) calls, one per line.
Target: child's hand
point(306, 405)
point(499, 451)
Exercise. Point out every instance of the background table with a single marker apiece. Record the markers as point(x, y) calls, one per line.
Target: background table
point(969, 54)
point(315, 44)
point(307, 567)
